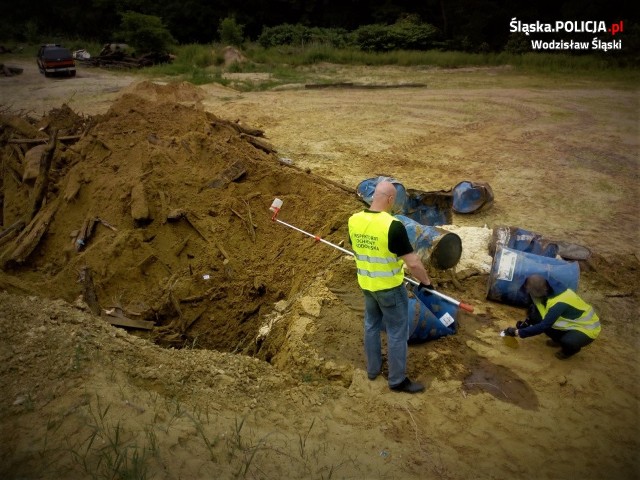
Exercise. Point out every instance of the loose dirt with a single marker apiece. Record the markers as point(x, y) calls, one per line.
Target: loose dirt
point(255, 367)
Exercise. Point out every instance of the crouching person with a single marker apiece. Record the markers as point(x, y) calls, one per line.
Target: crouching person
point(560, 313)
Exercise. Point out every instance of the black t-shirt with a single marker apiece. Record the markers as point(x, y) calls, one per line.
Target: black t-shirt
point(399, 243)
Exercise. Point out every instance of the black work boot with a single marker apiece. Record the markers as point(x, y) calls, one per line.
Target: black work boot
point(408, 386)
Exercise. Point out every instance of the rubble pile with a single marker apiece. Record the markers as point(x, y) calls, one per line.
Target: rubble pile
point(120, 56)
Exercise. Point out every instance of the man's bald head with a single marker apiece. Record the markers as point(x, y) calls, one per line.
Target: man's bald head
point(384, 196)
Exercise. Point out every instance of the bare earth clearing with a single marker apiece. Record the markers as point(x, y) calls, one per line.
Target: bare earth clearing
point(82, 399)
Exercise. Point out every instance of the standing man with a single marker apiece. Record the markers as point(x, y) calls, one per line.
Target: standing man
point(560, 313)
point(381, 247)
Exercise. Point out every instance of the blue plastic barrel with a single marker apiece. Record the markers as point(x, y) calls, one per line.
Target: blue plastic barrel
point(429, 208)
point(430, 317)
point(524, 241)
point(442, 248)
point(511, 268)
point(471, 197)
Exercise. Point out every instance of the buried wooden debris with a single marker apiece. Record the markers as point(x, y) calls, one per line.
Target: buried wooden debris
point(259, 144)
point(81, 237)
point(238, 127)
point(192, 220)
point(139, 205)
point(89, 291)
point(186, 325)
point(211, 294)
point(73, 185)
point(29, 141)
point(247, 222)
point(176, 304)
point(150, 260)
point(163, 206)
point(42, 181)
point(106, 224)
point(224, 253)
point(7, 234)
point(21, 125)
point(14, 163)
point(29, 238)
point(181, 246)
point(85, 232)
point(250, 225)
point(116, 317)
point(176, 214)
point(190, 217)
point(31, 163)
point(232, 173)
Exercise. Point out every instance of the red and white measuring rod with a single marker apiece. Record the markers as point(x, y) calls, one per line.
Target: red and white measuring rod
point(275, 208)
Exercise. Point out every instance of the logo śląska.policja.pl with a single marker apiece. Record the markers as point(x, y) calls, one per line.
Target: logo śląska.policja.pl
point(568, 27)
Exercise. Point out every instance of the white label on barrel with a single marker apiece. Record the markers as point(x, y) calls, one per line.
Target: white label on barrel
point(507, 265)
point(447, 319)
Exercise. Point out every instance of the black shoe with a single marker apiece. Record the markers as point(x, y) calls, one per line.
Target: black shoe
point(408, 386)
point(372, 377)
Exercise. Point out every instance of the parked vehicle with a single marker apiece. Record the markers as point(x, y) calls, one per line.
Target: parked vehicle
point(55, 59)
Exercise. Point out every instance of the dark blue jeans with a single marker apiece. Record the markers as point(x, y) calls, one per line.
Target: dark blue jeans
point(388, 310)
point(570, 340)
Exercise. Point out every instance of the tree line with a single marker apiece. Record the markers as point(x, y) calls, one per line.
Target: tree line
point(471, 25)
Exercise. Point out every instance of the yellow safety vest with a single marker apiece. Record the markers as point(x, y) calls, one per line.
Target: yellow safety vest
point(378, 268)
point(588, 323)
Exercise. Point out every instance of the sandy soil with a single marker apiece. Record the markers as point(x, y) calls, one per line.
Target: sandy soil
point(82, 399)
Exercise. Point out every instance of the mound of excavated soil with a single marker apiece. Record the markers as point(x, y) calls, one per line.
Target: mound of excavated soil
point(183, 92)
point(168, 208)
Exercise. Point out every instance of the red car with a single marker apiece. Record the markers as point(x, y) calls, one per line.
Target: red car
point(54, 59)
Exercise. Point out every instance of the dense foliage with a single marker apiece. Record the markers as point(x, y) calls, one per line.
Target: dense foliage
point(145, 33)
point(373, 25)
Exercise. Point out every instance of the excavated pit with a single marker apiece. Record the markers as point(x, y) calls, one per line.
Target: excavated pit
point(174, 202)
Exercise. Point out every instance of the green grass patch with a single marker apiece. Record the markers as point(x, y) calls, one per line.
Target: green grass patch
point(322, 63)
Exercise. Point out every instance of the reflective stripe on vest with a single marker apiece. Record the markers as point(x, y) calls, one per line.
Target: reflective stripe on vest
point(378, 268)
point(367, 258)
point(367, 273)
point(591, 326)
point(588, 323)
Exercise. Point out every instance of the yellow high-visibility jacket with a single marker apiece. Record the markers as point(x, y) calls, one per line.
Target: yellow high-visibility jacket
point(587, 322)
point(378, 268)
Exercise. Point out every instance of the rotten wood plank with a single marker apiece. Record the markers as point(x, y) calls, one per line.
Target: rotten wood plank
point(224, 253)
point(15, 226)
point(42, 182)
point(188, 323)
point(232, 173)
point(250, 225)
point(181, 246)
point(21, 125)
point(122, 321)
point(139, 207)
point(36, 141)
point(238, 127)
point(191, 219)
point(29, 238)
point(85, 232)
point(259, 144)
point(89, 291)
